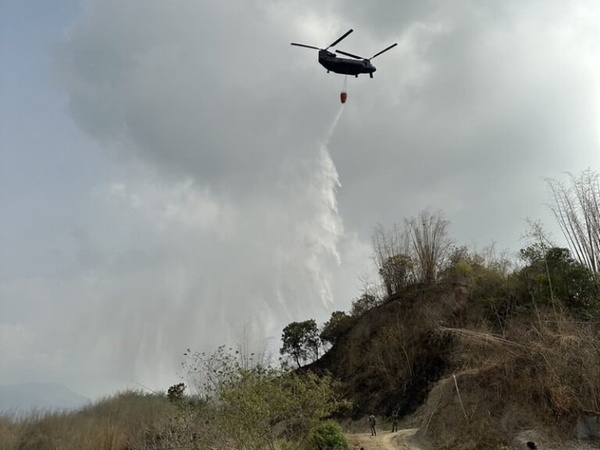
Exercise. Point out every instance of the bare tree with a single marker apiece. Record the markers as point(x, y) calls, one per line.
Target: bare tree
point(388, 242)
point(576, 206)
point(430, 244)
point(392, 257)
point(415, 252)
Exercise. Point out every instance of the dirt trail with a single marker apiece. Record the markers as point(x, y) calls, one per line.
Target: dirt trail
point(385, 440)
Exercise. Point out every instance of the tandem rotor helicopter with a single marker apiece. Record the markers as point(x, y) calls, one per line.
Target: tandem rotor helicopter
point(345, 66)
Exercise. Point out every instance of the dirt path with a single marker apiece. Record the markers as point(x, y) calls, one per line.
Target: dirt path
point(384, 441)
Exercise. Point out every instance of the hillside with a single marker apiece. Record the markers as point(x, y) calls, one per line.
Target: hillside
point(390, 356)
point(482, 359)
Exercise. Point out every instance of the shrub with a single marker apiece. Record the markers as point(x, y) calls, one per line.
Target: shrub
point(327, 436)
point(175, 393)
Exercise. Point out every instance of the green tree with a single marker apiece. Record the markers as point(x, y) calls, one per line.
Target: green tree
point(364, 303)
point(397, 272)
point(462, 265)
point(552, 274)
point(337, 325)
point(301, 341)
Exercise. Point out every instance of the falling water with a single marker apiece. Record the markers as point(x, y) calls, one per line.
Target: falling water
point(312, 244)
point(332, 128)
point(330, 182)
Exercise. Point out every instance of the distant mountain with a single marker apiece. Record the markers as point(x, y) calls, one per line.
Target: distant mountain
point(25, 397)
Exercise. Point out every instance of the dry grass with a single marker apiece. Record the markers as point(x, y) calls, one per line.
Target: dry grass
point(542, 374)
point(388, 359)
point(126, 421)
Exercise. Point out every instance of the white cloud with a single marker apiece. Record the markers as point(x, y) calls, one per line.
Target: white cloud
point(224, 210)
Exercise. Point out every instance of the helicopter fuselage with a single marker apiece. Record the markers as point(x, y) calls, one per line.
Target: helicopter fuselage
point(345, 66)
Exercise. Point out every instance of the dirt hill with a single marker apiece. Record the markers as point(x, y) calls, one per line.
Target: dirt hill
point(467, 377)
point(390, 357)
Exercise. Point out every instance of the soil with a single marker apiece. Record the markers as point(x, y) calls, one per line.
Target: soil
point(385, 440)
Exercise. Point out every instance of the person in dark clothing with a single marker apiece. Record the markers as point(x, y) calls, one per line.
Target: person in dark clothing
point(372, 425)
point(394, 422)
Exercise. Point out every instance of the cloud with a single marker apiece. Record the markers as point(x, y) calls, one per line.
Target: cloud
point(166, 266)
point(235, 202)
point(474, 110)
point(178, 91)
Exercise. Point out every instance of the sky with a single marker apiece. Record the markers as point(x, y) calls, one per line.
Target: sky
point(175, 175)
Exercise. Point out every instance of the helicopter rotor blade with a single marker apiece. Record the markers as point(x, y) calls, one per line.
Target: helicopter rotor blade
point(383, 51)
point(349, 54)
point(306, 46)
point(339, 39)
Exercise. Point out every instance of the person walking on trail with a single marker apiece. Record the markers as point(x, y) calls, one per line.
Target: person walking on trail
point(394, 422)
point(372, 425)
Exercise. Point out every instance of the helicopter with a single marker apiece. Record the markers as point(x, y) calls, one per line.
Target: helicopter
point(345, 66)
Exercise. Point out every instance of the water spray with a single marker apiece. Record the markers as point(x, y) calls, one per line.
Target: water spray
point(333, 126)
point(327, 184)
